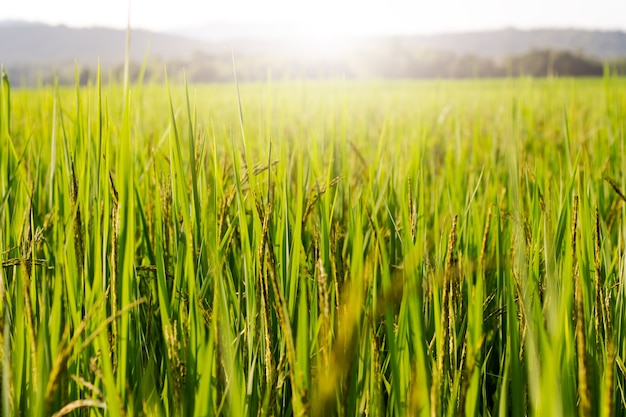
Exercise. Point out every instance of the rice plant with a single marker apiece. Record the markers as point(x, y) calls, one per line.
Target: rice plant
point(314, 248)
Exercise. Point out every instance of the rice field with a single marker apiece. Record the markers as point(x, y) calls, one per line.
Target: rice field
point(405, 248)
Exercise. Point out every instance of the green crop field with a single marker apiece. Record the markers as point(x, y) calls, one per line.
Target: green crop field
point(314, 248)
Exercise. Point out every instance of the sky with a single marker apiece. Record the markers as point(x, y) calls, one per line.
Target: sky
point(327, 17)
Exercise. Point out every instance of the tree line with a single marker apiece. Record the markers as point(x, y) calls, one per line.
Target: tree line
point(389, 62)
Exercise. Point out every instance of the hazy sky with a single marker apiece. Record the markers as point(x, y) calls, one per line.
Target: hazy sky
point(328, 17)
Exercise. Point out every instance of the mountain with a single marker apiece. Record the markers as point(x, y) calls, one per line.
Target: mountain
point(34, 52)
point(222, 31)
point(11, 22)
point(24, 43)
point(34, 43)
point(487, 44)
point(499, 43)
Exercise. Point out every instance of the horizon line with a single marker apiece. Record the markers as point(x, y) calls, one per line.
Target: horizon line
point(286, 25)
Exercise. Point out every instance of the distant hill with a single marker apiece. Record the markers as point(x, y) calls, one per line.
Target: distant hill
point(488, 44)
point(496, 44)
point(228, 31)
point(33, 52)
point(32, 43)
